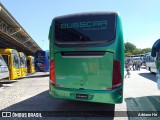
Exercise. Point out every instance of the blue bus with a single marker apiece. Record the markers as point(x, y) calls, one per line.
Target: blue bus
point(41, 61)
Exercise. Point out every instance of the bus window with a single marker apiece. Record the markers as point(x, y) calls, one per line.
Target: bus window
point(23, 64)
point(85, 30)
point(87, 57)
point(5, 57)
point(22, 61)
point(2, 62)
point(30, 64)
point(12, 59)
point(4, 72)
point(151, 63)
point(32, 60)
point(16, 61)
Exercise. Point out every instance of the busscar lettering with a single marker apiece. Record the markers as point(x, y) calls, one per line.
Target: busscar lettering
point(88, 24)
point(69, 25)
point(63, 26)
point(82, 24)
point(97, 23)
point(76, 25)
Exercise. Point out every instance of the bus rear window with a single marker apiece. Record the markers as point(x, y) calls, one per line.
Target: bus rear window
point(85, 29)
point(40, 55)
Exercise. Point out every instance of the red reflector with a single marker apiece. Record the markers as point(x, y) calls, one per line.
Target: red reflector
point(117, 79)
point(52, 72)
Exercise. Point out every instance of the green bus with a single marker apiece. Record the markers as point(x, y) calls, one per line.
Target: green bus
point(87, 57)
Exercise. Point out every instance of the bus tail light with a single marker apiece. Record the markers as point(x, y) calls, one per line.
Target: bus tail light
point(52, 72)
point(117, 78)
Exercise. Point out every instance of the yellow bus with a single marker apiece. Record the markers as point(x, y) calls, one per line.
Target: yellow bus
point(23, 64)
point(12, 59)
point(30, 64)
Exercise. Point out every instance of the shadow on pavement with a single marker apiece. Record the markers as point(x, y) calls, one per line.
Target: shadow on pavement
point(142, 104)
point(36, 76)
point(149, 76)
point(6, 83)
point(63, 108)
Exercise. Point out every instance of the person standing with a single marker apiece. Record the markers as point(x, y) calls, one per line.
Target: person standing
point(133, 65)
point(138, 65)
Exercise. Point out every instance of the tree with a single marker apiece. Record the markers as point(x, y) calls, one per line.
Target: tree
point(128, 54)
point(146, 50)
point(129, 47)
point(136, 51)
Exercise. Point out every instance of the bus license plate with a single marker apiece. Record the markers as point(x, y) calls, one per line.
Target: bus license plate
point(82, 96)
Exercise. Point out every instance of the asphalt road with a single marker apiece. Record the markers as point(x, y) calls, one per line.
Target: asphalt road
point(31, 94)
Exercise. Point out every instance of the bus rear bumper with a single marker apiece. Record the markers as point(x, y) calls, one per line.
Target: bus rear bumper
point(101, 96)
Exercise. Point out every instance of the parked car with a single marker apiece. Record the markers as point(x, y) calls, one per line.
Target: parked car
point(4, 72)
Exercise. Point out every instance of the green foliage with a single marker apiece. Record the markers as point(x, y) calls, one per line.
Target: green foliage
point(146, 50)
point(130, 49)
point(136, 51)
point(128, 54)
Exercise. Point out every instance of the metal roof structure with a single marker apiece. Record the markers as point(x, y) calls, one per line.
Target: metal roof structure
point(12, 34)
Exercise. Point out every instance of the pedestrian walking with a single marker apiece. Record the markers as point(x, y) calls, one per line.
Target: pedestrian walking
point(136, 65)
point(128, 71)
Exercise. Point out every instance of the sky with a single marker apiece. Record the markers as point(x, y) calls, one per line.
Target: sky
point(140, 18)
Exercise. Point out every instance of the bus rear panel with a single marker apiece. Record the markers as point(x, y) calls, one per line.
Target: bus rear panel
point(41, 61)
point(30, 64)
point(87, 58)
